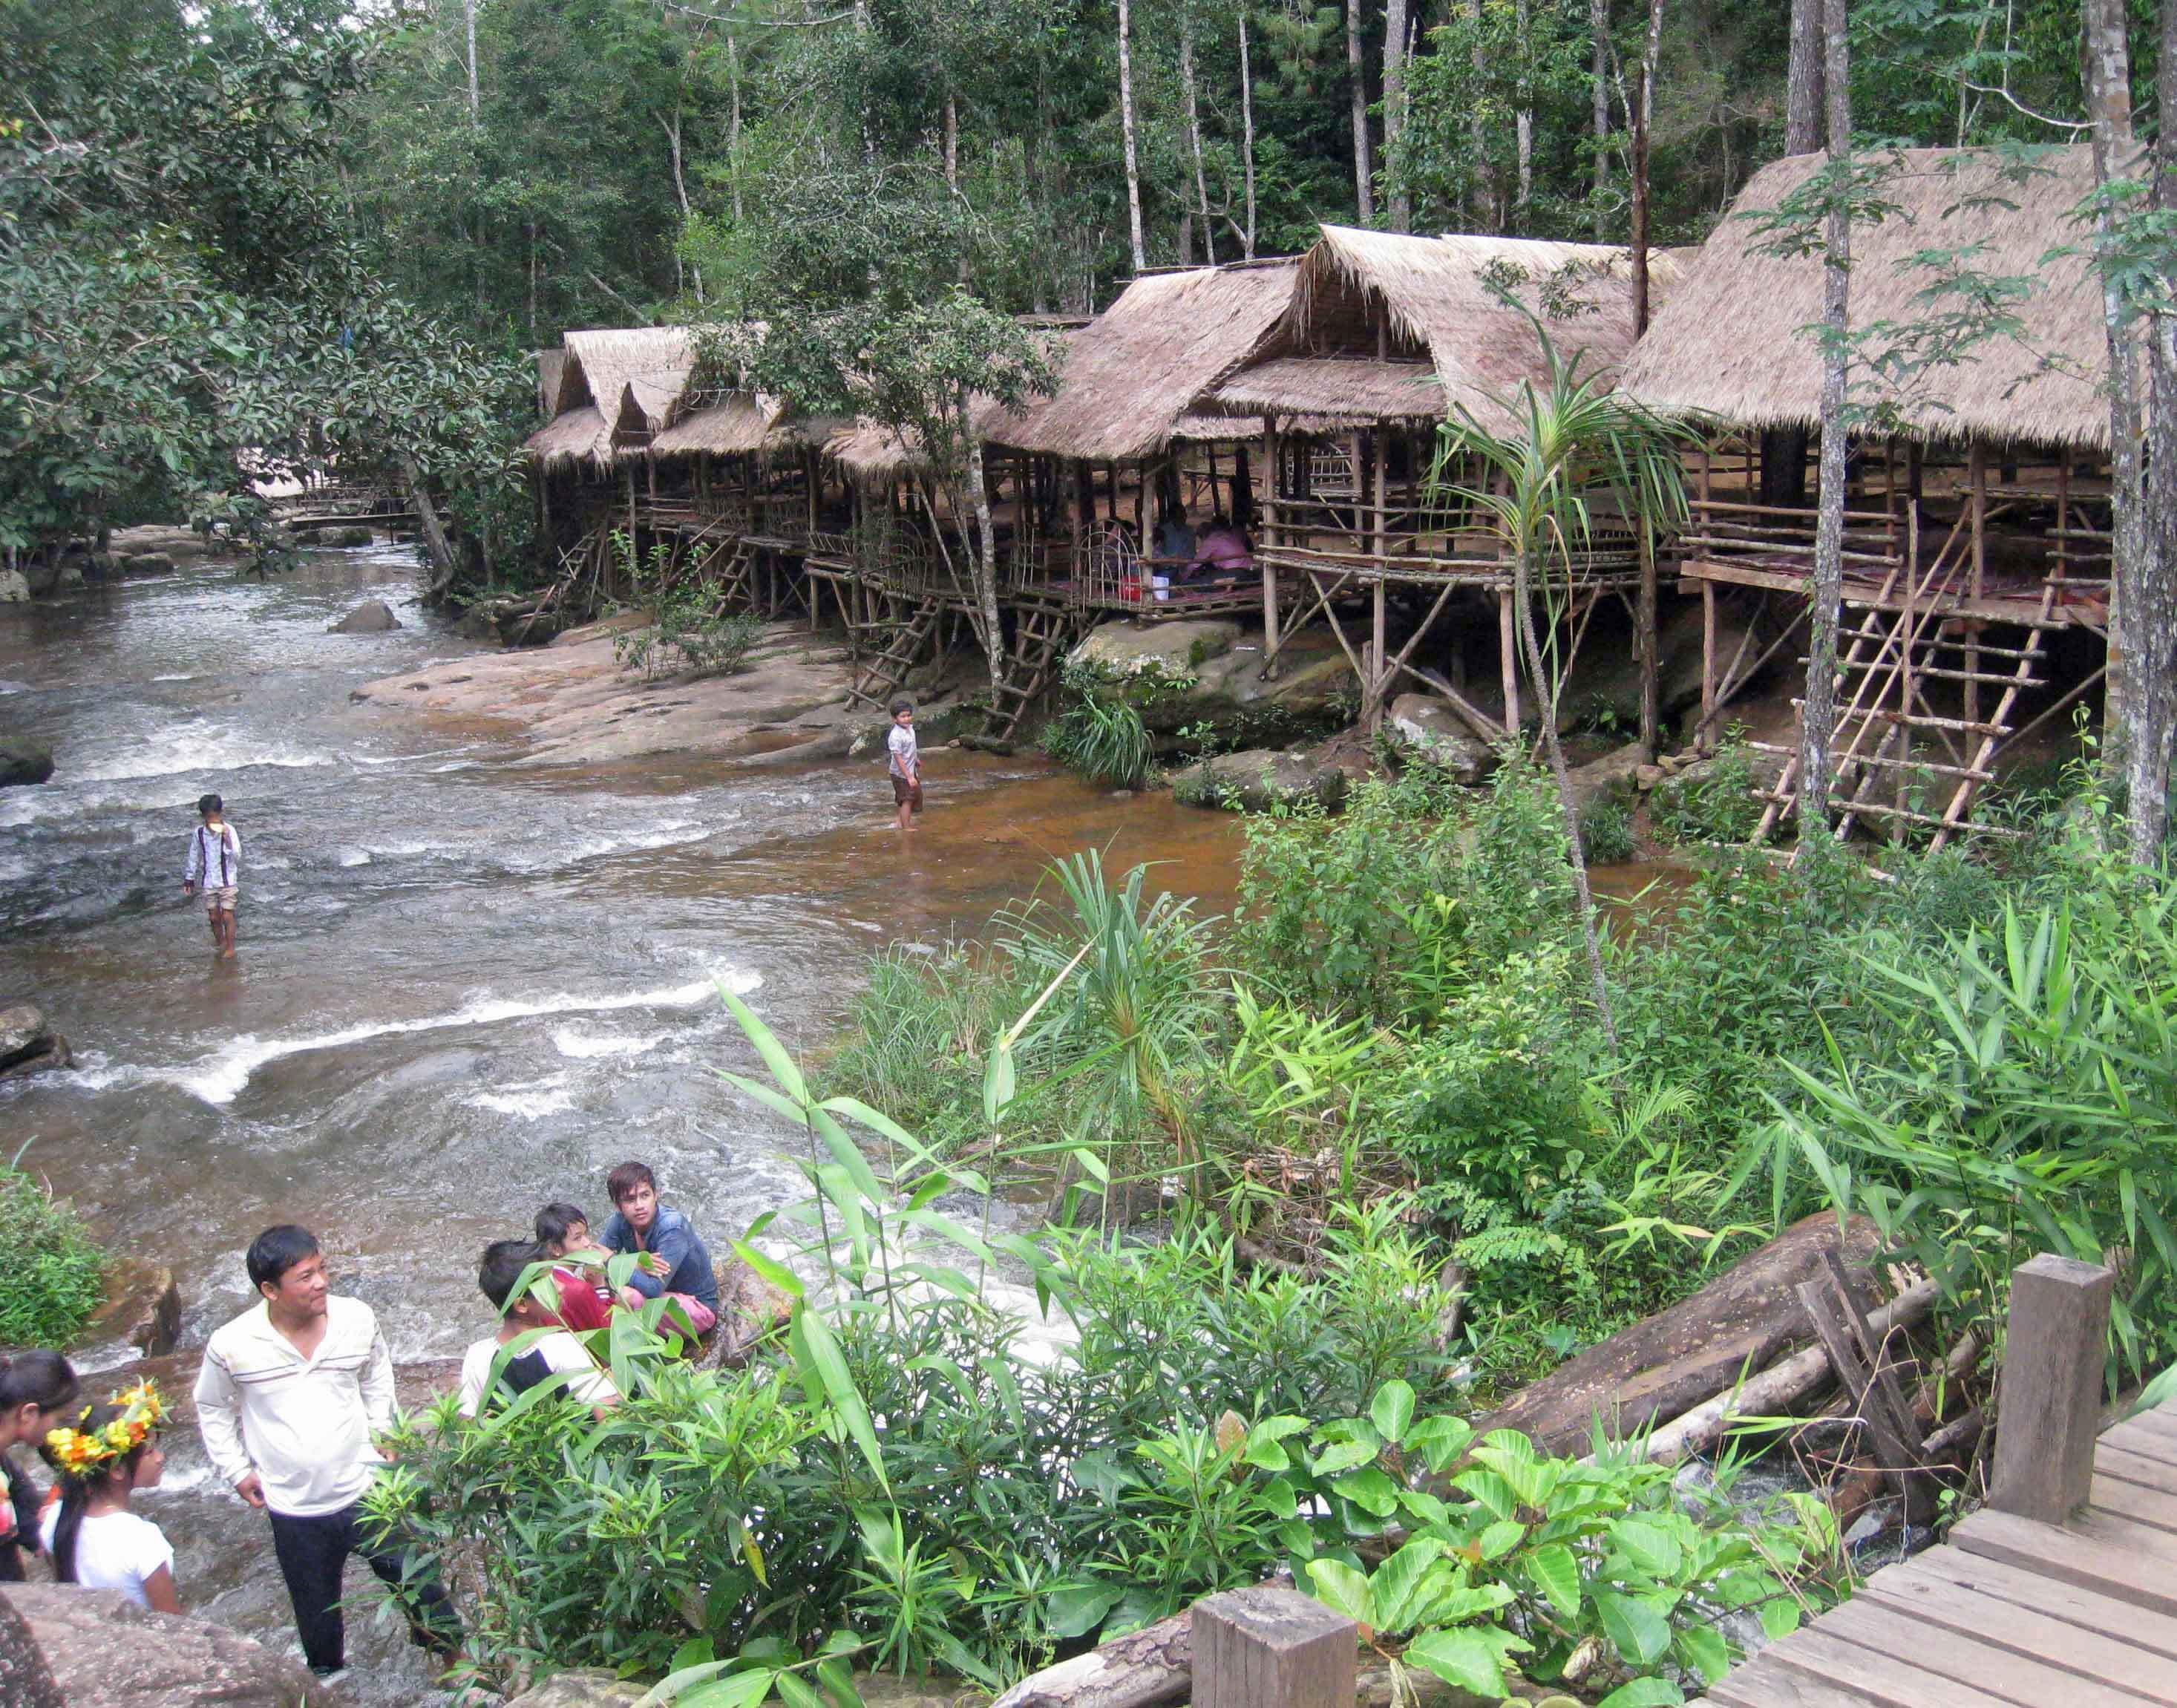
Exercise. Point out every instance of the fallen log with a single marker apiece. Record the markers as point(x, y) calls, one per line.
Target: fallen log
point(1155, 1664)
point(1777, 1389)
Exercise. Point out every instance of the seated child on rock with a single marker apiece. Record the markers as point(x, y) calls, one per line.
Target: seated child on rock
point(585, 1300)
point(675, 1263)
point(489, 1375)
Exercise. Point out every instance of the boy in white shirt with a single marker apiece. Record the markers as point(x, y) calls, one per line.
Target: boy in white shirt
point(215, 861)
point(487, 1370)
point(905, 765)
point(289, 1396)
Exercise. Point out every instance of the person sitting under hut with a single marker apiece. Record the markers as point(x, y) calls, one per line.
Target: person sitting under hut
point(1175, 537)
point(1223, 553)
point(675, 1265)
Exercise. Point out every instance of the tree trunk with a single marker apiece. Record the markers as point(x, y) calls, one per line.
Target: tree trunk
point(1523, 116)
point(1127, 129)
point(436, 546)
point(1364, 188)
point(1644, 109)
point(1477, 137)
point(1818, 720)
point(2105, 69)
point(1396, 27)
point(986, 556)
point(1247, 127)
point(1194, 137)
point(2153, 609)
point(1598, 29)
point(1546, 692)
point(1802, 102)
point(734, 124)
point(952, 141)
point(468, 9)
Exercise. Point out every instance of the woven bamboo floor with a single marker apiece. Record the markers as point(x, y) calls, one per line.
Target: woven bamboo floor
point(2009, 1613)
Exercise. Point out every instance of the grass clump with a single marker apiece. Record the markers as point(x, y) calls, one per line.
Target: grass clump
point(1098, 733)
point(56, 1272)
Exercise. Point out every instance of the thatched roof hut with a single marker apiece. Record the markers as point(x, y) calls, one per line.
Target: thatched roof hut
point(870, 454)
point(1131, 373)
point(1732, 341)
point(551, 364)
point(1447, 332)
point(593, 379)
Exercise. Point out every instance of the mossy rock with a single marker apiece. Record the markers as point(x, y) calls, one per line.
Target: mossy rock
point(1259, 781)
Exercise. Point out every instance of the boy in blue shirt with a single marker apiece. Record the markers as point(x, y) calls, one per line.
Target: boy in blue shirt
point(675, 1263)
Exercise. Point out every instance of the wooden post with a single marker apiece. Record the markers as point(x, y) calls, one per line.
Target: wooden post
point(1379, 655)
point(1651, 699)
point(1268, 547)
point(1705, 733)
point(1978, 465)
point(1507, 659)
point(2050, 1397)
point(1268, 1647)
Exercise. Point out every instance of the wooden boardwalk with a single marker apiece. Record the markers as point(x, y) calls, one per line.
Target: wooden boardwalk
point(2010, 1613)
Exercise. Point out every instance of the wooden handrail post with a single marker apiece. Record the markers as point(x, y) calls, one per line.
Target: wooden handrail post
point(2051, 1394)
point(1270, 1647)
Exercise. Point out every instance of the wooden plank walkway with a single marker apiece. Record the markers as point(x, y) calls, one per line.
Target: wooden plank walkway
point(2009, 1613)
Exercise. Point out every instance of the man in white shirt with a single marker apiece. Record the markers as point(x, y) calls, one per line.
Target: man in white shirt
point(289, 1396)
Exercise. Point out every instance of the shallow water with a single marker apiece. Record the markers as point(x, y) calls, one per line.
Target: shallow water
point(464, 987)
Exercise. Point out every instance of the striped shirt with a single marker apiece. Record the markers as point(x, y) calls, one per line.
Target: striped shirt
point(304, 1425)
point(214, 856)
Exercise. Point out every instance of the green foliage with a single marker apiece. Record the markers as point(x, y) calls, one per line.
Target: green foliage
point(1100, 734)
point(57, 1274)
point(1714, 802)
point(693, 630)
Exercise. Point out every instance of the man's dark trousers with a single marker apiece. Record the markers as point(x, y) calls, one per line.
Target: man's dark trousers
point(312, 1552)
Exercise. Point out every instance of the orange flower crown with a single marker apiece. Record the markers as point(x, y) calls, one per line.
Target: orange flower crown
point(77, 1451)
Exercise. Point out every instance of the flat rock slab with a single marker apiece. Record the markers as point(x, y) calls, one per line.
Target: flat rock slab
point(1656, 1369)
point(104, 1651)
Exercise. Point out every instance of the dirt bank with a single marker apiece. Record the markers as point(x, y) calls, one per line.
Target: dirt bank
point(575, 705)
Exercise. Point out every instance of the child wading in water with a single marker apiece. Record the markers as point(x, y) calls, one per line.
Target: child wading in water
point(216, 862)
point(107, 1453)
point(906, 765)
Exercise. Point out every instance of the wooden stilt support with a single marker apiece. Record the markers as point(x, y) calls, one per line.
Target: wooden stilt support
point(1507, 659)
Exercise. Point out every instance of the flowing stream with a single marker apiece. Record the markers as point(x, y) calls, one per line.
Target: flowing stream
point(465, 985)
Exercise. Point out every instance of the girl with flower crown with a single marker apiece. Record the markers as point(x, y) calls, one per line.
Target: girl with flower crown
point(36, 1388)
point(103, 1457)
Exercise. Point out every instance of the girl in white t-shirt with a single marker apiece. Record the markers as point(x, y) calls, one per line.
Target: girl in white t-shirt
point(103, 1458)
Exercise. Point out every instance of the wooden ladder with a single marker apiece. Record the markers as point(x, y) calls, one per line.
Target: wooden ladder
point(875, 682)
point(1029, 666)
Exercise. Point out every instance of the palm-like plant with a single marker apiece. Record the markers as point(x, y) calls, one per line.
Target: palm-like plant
point(1574, 441)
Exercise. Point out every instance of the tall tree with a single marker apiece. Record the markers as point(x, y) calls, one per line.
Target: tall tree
point(1247, 127)
point(1126, 125)
point(1397, 27)
point(1523, 114)
point(1644, 119)
point(1818, 720)
point(1803, 82)
point(1364, 185)
point(2151, 601)
point(1598, 31)
point(2105, 69)
point(1194, 131)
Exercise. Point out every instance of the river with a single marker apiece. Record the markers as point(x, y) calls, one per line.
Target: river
point(466, 986)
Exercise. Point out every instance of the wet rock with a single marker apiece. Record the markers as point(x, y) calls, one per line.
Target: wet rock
point(883, 1690)
point(143, 1307)
point(1259, 780)
point(104, 1651)
point(15, 587)
point(23, 761)
point(52, 1052)
point(25, 1680)
point(1428, 729)
point(22, 1024)
point(586, 1687)
point(372, 617)
point(749, 1308)
point(148, 564)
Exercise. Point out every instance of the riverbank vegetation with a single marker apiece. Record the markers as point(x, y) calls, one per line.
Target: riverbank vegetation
point(56, 1272)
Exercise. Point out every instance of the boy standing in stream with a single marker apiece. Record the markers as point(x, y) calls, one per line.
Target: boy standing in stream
point(906, 767)
point(216, 862)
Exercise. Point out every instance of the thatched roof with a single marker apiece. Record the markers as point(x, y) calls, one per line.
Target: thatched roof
point(1734, 342)
point(598, 365)
point(870, 453)
point(550, 365)
point(1130, 374)
point(1449, 331)
point(570, 437)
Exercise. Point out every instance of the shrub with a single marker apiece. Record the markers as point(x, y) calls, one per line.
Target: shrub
point(55, 1271)
point(1100, 734)
point(1713, 803)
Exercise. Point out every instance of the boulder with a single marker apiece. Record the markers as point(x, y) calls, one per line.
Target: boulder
point(23, 761)
point(1428, 730)
point(143, 1307)
point(372, 617)
point(356, 536)
point(50, 1052)
point(25, 1680)
point(585, 1686)
point(104, 1651)
point(15, 587)
point(1612, 773)
point(148, 564)
point(1259, 780)
point(1655, 1370)
point(1174, 649)
point(749, 1309)
point(22, 1024)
